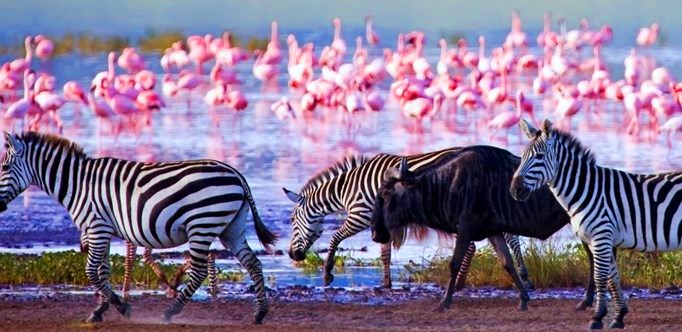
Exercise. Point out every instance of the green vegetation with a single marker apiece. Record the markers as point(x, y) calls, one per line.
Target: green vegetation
point(452, 37)
point(153, 41)
point(550, 265)
point(69, 268)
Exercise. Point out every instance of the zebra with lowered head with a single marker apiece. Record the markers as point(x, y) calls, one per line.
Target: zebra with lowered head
point(609, 208)
point(154, 205)
point(351, 185)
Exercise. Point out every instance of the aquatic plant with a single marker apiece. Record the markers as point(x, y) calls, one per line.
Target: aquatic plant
point(552, 265)
point(68, 267)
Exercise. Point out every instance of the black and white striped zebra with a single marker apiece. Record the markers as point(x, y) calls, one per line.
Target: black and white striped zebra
point(609, 208)
point(351, 185)
point(153, 205)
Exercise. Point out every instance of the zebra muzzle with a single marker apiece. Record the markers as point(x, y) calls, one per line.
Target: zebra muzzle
point(518, 189)
point(3, 206)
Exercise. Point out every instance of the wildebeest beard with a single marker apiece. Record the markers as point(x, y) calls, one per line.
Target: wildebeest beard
point(399, 216)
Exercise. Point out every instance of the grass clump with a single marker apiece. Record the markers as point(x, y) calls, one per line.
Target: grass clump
point(68, 267)
point(313, 262)
point(551, 265)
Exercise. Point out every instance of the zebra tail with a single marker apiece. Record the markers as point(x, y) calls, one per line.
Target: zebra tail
point(266, 238)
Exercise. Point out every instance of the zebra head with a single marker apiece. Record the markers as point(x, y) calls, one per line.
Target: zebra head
point(14, 174)
point(538, 161)
point(306, 223)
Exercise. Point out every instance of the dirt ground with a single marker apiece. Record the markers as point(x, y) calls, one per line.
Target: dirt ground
point(67, 314)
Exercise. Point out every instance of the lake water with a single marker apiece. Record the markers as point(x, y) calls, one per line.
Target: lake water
point(273, 154)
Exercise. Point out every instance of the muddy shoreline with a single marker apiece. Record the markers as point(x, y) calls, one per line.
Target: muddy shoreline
point(65, 312)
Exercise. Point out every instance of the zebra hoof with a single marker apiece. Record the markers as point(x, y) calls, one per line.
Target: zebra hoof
point(616, 324)
point(328, 279)
point(124, 309)
point(166, 318)
point(259, 317)
point(94, 318)
point(595, 325)
point(523, 306)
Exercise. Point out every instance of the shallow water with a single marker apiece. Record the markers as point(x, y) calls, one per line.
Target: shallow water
point(274, 154)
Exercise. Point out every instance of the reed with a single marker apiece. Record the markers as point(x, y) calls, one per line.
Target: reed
point(551, 265)
point(68, 268)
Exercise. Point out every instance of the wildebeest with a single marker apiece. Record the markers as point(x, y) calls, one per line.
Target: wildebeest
point(467, 195)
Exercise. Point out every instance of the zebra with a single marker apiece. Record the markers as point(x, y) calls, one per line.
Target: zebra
point(351, 184)
point(609, 208)
point(154, 205)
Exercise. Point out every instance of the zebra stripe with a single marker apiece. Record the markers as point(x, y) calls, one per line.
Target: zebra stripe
point(154, 205)
point(351, 185)
point(609, 208)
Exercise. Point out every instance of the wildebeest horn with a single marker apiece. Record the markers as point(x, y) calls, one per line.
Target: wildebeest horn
point(403, 168)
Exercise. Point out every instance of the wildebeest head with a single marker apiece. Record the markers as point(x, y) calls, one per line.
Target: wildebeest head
point(538, 161)
point(389, 209)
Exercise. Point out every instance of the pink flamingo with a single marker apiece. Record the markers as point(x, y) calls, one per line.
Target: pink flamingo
point(73, 92)
point(631, 68)
point(219, 73)
point(647, 36)
point(44, 47)
point(498, 95)
point(547, 38)
point(50, 103)
point(168, 87)
point(338, 43)
point(149, 100)
point(273, 54)
point(672, 126)
point(540, 85)
point(370, 34)
point(516, 38)
point(145, 80)
point(179, 56)
point(420, 108)
point(603, 36)
point(507, 119)
point(469, 59)
point(283, 110)
point(187, 81)
point(22, 107)
point(263, 71)
point(131, 61)
point(101, 109)
point(236, 100)
point(215, 96)
point(19, 65)
point(198, 51)
point(567, 106)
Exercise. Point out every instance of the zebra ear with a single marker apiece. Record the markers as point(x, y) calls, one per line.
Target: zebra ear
point(294, 197)
point(527, 129)
point(546, 127)
point(404, 170)
point(13, 142)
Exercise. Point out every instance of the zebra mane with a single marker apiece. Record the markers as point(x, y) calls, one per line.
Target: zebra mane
point(574, 145)
point(339, 167)
point(53, 141)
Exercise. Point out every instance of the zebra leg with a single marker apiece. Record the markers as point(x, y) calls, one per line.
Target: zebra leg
point(97, 253)
point(104, 272)
point(515, 246)
point(148, 259)
point(198, 250)
point(588, 298)
point(461, 246)
point(503, 254)
point(603, 255)
point(386, 261)
point(172, 287)
point(617, 296)
point(341, 234)
point(464, 269)
point(129, 265)
point(212, 277)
